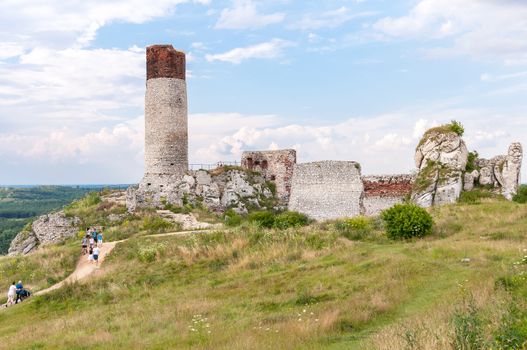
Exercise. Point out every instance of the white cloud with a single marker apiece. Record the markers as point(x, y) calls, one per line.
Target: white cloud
point(267, 50)
point(491, 29)
point(328, 19)
point(382, 144)
point(57, 23)
point(244, 15)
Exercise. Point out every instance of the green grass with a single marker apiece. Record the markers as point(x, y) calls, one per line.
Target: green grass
point(301, 288)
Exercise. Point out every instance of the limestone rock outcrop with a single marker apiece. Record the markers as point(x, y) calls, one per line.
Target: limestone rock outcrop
point(47, 229)
point(502, 172)
point(441, 158)
point(217, 190)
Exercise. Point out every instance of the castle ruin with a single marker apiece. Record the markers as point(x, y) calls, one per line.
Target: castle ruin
point(322, 190)
point(166, 119)
point(276, 166)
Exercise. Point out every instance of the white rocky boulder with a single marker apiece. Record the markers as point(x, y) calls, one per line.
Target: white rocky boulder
point(47, 229)
point(441, 158)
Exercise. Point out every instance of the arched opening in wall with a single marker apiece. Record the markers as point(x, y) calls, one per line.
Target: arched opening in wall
point(249, 163)
point(265, 165)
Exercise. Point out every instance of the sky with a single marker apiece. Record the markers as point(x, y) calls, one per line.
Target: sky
point(336, 80)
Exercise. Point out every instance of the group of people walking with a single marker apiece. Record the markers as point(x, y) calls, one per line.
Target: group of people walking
point(91, 244)
point(16, 294)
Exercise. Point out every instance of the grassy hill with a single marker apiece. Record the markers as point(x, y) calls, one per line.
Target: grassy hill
point(307, 288)
point(19, 206)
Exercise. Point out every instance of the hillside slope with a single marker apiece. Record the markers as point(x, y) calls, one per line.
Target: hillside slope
point(308, 288)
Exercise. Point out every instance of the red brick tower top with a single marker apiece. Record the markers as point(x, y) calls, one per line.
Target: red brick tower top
point(163, 61)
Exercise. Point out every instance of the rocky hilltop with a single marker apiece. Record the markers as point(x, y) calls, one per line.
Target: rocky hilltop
point(47, 229)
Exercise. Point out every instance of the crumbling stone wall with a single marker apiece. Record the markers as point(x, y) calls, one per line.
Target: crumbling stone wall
point(166, 129)
point(217, 190)
point(327, 190)
point(276, 166)
point(381, 192)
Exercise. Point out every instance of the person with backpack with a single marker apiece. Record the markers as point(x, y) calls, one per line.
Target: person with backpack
point(19, 288)
point(96, 253)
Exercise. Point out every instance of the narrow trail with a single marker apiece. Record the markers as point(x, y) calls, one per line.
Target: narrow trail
point(86, 268)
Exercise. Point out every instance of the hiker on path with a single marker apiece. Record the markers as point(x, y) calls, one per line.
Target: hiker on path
point(99, 239)
point(11, 295)
point(84, 245)
point(91, 242)
point(94, 235)
point(96, 253)
point(19, 289)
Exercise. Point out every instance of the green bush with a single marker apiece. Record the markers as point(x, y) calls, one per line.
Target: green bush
point(154, 224)
point(471, 162)
point(521, 196)
point(404, 221)
point(232, 219)
point(457, 127)
point(290, 219)
point(469, 330)
point(355, 228)
point(150, 253)
point(262, 218)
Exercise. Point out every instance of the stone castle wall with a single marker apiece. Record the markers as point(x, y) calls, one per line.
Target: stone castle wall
point(166, 121)
point(327, 190)
point(381, 192)
point(276, 166)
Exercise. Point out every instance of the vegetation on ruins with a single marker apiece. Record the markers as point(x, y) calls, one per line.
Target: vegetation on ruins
point(471, 161)
point(405, 221)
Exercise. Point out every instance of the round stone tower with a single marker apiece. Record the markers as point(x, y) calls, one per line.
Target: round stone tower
point(166, 120)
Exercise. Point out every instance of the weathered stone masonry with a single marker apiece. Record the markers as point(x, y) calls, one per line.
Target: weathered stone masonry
point(166, 121)
point(384, 191)
point(276, 166)
point(327, 190)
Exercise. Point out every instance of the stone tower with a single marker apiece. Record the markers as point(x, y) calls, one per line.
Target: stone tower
point(166, 120)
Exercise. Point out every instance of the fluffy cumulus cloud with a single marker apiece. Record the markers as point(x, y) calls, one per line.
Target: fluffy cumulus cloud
point(267, 50)
point(482, 29)
point(244, 15)
point(382, 144)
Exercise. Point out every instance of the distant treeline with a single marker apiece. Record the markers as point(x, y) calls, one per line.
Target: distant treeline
point(21, 205)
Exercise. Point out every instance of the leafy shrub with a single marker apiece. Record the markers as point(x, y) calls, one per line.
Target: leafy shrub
point(154, 224)
point(471, 162)
point(512, 333)
point(262, 218)
point(150, 253)
point(290, 219)
point(521, 196)
point(457, 127)
point(354, 228)
point(232, 218)
point(468, 328)
point(405, 221)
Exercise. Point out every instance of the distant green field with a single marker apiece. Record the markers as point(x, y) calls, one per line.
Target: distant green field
point(18, 206)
